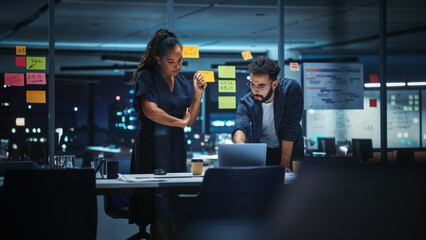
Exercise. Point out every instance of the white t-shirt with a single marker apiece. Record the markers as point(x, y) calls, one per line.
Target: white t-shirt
point(268, 135)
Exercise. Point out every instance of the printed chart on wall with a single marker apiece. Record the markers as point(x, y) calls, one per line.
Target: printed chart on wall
point(424, 118)
point(344, 125)
point(403, 121)
point(333, 86)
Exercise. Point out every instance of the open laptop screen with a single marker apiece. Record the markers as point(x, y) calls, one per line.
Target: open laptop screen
point(240, 155)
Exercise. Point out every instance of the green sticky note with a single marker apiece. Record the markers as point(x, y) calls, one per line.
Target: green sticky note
point(36, 63)
point(226, 71)
point(227, 86)
point(227, 102)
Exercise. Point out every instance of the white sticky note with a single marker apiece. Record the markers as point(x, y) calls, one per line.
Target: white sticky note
point(399, 135)
point(406, 134)
point(416, 120)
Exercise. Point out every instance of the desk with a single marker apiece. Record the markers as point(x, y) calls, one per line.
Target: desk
point(105, 186)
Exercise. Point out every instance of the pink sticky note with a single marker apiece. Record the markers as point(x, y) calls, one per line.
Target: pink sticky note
point(36, 78)
point(14, 79)
point(374, 78)
point(373, 102)
point(20, 61)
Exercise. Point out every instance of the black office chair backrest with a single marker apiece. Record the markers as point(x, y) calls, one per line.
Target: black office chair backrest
point(8, 165)
point(49, 204)
point(243, 192)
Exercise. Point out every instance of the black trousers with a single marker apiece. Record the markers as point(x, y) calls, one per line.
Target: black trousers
point(273, 157)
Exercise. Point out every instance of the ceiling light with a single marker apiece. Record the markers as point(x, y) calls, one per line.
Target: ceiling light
point(416, 83)
point(389, 84)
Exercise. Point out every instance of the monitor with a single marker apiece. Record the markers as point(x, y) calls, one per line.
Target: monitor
point(242, 155)
point(362, 149)
point(327, 145)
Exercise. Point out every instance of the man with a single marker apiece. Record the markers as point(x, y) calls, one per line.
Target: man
point(271, 114)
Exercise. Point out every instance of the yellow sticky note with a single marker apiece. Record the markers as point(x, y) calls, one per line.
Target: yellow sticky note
point(226, 71)
point(294, 66)
point(227, 102)
point(207, 75)
point(227, 86)
point(36, 96)
point(21, 50)
point(190, 52)
point(247, 55)
point(36, 63)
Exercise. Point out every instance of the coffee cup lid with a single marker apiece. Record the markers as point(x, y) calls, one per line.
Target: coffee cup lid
point(197, 160)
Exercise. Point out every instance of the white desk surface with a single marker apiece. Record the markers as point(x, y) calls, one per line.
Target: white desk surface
point(151, 181)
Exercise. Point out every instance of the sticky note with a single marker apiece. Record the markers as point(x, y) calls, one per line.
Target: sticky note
point(424, 136)
point(36, 63)
point(227, 102)
point(190, 52)
point(226, 71)
point(410, 102)
point(294, 66)
point(36, 78)
point(393, 97)
point(416, 108)
point(416, 96)
point(410, 96)
point(374, 78)
point(228, 86)
point(415, 120)
point(399, 134)
point(21, 50)
point(14, 79)
point(20, 61)
point(207, 75)
point(406, 134)
point(246, 55)
point(34, 96)
point(373, 102)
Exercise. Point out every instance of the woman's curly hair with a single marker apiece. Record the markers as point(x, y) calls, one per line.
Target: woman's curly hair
point(161, 42)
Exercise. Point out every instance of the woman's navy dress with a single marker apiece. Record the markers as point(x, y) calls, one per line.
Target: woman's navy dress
point(156, 145)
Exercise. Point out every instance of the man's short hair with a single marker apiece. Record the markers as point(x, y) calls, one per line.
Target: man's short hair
point(264, 65)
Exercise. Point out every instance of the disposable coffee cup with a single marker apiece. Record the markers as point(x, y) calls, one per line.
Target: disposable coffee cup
point(296, 166)
point(197, 166)
point(112, 169)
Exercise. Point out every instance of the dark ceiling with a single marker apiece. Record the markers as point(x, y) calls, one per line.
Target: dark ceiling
point(87, 29)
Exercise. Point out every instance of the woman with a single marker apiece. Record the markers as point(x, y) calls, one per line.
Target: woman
point(165, 102)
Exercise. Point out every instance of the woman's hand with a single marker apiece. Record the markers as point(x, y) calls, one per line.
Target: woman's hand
point(199, 84)
point(186, 118)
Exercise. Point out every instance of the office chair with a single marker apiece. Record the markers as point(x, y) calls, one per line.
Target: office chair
point(117, 205)
point(232, 204)
point(49, 204)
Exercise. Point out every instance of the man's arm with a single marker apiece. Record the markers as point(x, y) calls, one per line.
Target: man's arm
point(286, 149)
point(239, 137)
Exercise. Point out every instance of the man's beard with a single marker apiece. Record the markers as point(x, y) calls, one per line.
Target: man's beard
point(264, 99)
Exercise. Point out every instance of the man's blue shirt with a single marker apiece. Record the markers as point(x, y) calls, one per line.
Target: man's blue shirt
point(288, 110)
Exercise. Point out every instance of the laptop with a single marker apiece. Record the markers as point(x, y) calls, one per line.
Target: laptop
point(242, 155)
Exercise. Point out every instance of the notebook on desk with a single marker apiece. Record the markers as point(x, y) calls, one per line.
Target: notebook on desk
point(242, 155)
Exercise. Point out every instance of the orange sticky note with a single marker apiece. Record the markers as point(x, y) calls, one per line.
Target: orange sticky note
point(207, 75)
point(36, 78)
point(36, 96)
point(21, 50)
point(190, 52)
point(20, 61)
point(294, 66)
point(247, 55)
point(14, 79)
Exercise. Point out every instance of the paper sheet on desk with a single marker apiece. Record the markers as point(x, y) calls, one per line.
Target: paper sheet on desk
point(151, 177)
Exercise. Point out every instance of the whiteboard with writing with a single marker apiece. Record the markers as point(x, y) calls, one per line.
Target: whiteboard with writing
point(403, 120)
point(333, 85)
